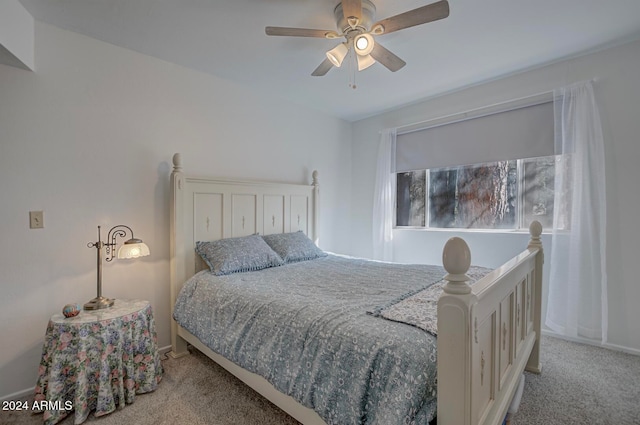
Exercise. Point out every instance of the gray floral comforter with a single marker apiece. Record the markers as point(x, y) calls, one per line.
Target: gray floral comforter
point(305, 328)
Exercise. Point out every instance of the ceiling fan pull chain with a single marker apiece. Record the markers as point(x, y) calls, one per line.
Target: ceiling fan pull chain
point(352, 69)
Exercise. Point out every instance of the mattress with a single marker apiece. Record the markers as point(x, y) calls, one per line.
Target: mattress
point(307, 328)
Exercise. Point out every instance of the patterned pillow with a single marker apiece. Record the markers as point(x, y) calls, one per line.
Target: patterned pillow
point(233, 255)
point(292, 247)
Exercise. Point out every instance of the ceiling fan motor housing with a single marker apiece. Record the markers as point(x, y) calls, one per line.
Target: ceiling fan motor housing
point(363, 25)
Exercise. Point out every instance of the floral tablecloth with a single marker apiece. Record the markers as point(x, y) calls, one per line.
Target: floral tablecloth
point(98, 360)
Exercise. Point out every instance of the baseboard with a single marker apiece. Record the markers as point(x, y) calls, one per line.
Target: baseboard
point(622, 348)
point(20, 395)
point(586, 341)
point(164, 350)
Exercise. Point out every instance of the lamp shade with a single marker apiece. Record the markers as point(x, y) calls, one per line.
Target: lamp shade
point(365, 62)
point(337, 54)
point(133, 248)
point(364, 44)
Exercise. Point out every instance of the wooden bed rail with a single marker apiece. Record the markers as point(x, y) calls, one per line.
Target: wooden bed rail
point(488, 333)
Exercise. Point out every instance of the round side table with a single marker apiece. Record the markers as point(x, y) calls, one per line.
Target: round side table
point(98, 360)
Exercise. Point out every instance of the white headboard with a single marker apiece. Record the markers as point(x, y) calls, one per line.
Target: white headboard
point(205, 209)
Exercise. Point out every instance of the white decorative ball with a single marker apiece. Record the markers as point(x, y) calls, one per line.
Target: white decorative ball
point(71, 310)
point(456, 256)
point(535, 229)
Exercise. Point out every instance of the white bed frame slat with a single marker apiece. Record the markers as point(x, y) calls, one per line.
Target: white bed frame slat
point(487, 334)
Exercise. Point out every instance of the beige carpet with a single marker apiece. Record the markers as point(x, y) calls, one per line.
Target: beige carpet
point(580, 384)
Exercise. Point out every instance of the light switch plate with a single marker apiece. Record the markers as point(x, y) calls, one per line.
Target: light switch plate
point(36, 219)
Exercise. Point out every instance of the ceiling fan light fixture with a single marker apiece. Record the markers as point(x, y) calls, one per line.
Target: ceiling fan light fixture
point(337, 54)
point(353, 17)
point(365, 62)
point(363, 44)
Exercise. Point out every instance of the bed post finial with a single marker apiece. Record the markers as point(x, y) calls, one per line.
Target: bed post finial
point(535, 230)
point(177, 162)
point(314, 177)
point(456, 258)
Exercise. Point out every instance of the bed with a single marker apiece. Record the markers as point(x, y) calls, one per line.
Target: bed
point(487, 332)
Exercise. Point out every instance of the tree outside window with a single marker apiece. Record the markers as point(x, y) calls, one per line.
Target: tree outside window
point(499, 195)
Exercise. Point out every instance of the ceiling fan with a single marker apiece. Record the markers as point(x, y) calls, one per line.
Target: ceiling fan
point(354, 21)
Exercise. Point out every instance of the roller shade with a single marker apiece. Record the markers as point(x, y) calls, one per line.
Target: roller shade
point(525, 132)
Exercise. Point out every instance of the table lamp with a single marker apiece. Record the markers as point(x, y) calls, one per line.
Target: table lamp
point(132, 248)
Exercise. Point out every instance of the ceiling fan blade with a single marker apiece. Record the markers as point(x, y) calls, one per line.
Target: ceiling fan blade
point(323, 68)
point(388, 59)
point(300, 32)
point(352, 8)
point(421, 15)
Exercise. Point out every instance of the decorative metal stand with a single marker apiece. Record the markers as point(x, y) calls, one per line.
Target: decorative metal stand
point(100, 302)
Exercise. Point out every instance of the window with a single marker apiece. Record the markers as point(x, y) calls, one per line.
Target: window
point(496, 188)
point(498, 195)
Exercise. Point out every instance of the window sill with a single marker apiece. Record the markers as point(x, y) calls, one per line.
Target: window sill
point(463, 230)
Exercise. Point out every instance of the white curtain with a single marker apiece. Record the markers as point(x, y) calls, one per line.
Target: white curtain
point(577, 297)
point(383, 197)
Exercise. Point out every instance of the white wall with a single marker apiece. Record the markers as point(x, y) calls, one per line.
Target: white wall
point(618, 93)
point(16, 35)
point(89, 138)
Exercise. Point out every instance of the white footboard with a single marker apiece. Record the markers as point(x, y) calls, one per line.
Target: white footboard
point(488, 333)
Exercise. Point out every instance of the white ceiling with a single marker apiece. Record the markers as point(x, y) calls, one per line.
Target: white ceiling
point(480, 40)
